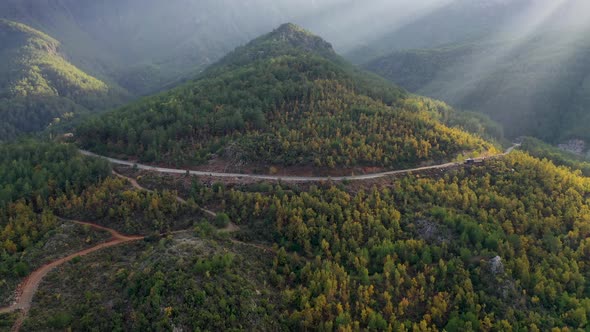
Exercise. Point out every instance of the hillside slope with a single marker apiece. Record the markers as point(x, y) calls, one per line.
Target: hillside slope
point(537, 86)
point(284, 99)
point(38, 85)
point(501, 246)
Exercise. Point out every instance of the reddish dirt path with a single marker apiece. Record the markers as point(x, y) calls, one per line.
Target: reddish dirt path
point(27, 289)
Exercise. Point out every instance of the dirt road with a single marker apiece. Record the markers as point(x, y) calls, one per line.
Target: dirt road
point(28, 287)
point(137, 186)
point(285, 178)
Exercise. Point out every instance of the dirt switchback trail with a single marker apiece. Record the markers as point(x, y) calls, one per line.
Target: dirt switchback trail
point(137, 186)
point(28, 287)
point(230, 228)
point(287, 178)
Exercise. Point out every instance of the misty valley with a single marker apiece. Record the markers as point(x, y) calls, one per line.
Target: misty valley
point(385, 165)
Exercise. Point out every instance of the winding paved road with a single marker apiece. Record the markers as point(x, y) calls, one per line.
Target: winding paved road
point(285, 178)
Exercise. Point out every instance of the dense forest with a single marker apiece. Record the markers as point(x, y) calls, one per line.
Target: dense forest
point(497, 247)
point(113, 204)
point(42, 183)
point(284, 99)
point(39, 87)
point(493, 244)
point(35, 171)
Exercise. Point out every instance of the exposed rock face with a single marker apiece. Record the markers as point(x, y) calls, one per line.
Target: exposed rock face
point(576, 146)
point(234, 154)
point(496, 265)
point(432, 231)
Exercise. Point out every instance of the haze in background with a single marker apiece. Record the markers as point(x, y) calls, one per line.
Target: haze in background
point(530, 73)
point(528, 67)
point(147, 45)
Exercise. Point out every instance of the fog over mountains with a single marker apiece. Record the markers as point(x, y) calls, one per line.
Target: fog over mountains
point(164, 37)
point(132, 41)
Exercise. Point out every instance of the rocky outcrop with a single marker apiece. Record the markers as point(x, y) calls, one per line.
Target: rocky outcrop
point(576, 146)
point(496, 265)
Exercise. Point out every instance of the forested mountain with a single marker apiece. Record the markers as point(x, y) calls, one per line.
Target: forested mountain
point(38, 85)
point(538, 86)
point(521, 62)
point(284, 99)
point(144, 45)
point(147, 45)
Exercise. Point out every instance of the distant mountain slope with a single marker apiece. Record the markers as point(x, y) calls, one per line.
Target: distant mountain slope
point(37, 84)
point(468, 21)
point(537, 86)
point(284, 99)
point(454, 21)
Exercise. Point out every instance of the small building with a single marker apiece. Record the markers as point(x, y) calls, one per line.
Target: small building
point(474, 161)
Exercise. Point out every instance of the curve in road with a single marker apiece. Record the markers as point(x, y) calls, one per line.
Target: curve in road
point(29, 286)
point(284, 178)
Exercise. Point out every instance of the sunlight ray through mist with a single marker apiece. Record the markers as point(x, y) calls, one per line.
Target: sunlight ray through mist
point(542, 15)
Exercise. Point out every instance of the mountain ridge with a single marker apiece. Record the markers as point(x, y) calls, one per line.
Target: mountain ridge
point(287, 39)
point(300, 38)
